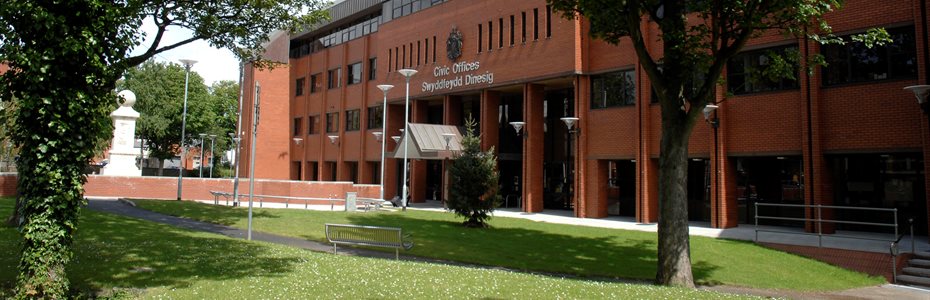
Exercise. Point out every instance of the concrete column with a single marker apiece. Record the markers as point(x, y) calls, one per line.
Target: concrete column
point(418, 114)
point(533, 154)
point(490, 111)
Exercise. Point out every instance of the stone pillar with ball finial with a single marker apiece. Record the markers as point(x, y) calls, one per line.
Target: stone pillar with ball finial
point(122, 160)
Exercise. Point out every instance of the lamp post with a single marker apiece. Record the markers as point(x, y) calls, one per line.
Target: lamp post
point(407, 74)
point(188, 63)
point(572, 130)
point(212, 161)
point(384, 88)
point(714, 123)
point(255, 115)
point(202, 135)
point(235, 139)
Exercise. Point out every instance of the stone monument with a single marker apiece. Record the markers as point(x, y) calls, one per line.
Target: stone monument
point(122, 161)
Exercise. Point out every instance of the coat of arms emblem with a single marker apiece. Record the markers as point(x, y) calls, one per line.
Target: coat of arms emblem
point(454, 44)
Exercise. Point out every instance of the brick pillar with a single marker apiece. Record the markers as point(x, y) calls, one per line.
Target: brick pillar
point(596, 189)
point(819, 189)
point(451, 115)
point(490, 108)
point(418, 114)
point(533, 155)
point(648, 206)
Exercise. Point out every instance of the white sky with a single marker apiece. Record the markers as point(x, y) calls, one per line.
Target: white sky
point(213, 64)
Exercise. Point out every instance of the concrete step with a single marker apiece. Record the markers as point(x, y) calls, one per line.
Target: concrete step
point(922, 255)
point(916, 271)
point(914, 280)
point(925, 263)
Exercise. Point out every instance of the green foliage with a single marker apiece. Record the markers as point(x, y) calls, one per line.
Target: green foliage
point(473, 177)
point(64, 59)
point(58, 54)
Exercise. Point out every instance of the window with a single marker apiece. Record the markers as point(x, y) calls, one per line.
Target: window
point(745, 71)
point(312, 127)
point(372, 68)
point(535, 24)
point(396, 59)
point(853, 62)
point(548, 21)
point(691, 85)
point(418, 53)
point(403, 57)
point(297, 124)
point(523, 23)
point(299, 86)
point(500, 33)
point(389, 60)
point(334, 78)
point(332, 122)
point(613, 89)
point(353, 117)
point(355, 73)
point(490, 35)
point(434, 49)
point(375, 117)
point(411, 55)
point(512, 29)
point(315, 83)
point(480, 38)
point(426, 50)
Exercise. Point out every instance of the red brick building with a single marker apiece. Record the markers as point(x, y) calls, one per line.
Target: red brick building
point(848, 135)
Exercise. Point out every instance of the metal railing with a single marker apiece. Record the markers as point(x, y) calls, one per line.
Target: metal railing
point(819, 220)
point(367, 202)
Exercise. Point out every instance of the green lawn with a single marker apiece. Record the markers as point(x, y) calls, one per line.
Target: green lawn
point(537, 246)
point(138, 259)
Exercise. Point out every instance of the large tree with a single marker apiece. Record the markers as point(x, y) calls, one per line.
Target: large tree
point(64, 59)
point(696, 39)
point(159, 88)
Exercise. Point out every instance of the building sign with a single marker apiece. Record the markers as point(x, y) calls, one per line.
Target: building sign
point(458, 75)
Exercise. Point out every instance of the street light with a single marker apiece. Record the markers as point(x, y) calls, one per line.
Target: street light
point(572, 130)
point(235, 138)
point(188, 63)
point(380, 136)
point(407, 74)
point(202, 135)
point(212, 161)
point(714, 123)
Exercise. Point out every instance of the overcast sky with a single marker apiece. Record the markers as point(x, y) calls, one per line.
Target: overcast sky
point(212, 64)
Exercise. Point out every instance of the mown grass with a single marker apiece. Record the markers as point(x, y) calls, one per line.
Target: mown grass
point(537, 246)
point(130, 258)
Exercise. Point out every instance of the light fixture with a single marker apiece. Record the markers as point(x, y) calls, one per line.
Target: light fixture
point(378, 135)
point(570, 123)
point(396, 138)
point(297, 140)
point(407, 74)
point(333, 139)
point(708, 111)
point(188, 63)
point(921, 92)
point(448, 137)
point(518, 127)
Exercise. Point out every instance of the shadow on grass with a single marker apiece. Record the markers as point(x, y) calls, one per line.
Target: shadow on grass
point(112, 251)
point(527, 249)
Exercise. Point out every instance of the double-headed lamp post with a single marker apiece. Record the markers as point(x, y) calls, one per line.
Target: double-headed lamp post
point(384, 88)
point(188, 63)
point(407, 74)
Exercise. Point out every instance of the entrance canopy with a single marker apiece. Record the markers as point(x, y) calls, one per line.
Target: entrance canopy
point(428, 142)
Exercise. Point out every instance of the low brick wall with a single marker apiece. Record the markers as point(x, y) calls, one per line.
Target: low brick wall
point(199, 188)
point(872, 263)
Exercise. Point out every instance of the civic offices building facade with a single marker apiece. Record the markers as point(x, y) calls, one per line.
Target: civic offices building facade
point(847, 135)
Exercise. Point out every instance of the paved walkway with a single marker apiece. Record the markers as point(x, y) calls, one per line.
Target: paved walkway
point(888, 291)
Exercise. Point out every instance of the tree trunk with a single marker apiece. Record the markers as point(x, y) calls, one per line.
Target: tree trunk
point(674, 265)
point(161, 166)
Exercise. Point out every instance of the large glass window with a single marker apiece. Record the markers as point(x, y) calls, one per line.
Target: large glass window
point(315, 83)
point(854, 62)
point(613, 89)
point(375, 117)
point(355, 73)
point(352, 119)
point(334, 78)
point(299, 86)
point(746, 71)
point(332, 122)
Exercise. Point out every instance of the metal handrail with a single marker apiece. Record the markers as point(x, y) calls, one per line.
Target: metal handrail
point(895, 251)
point(332, 199)
point(819, 220)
